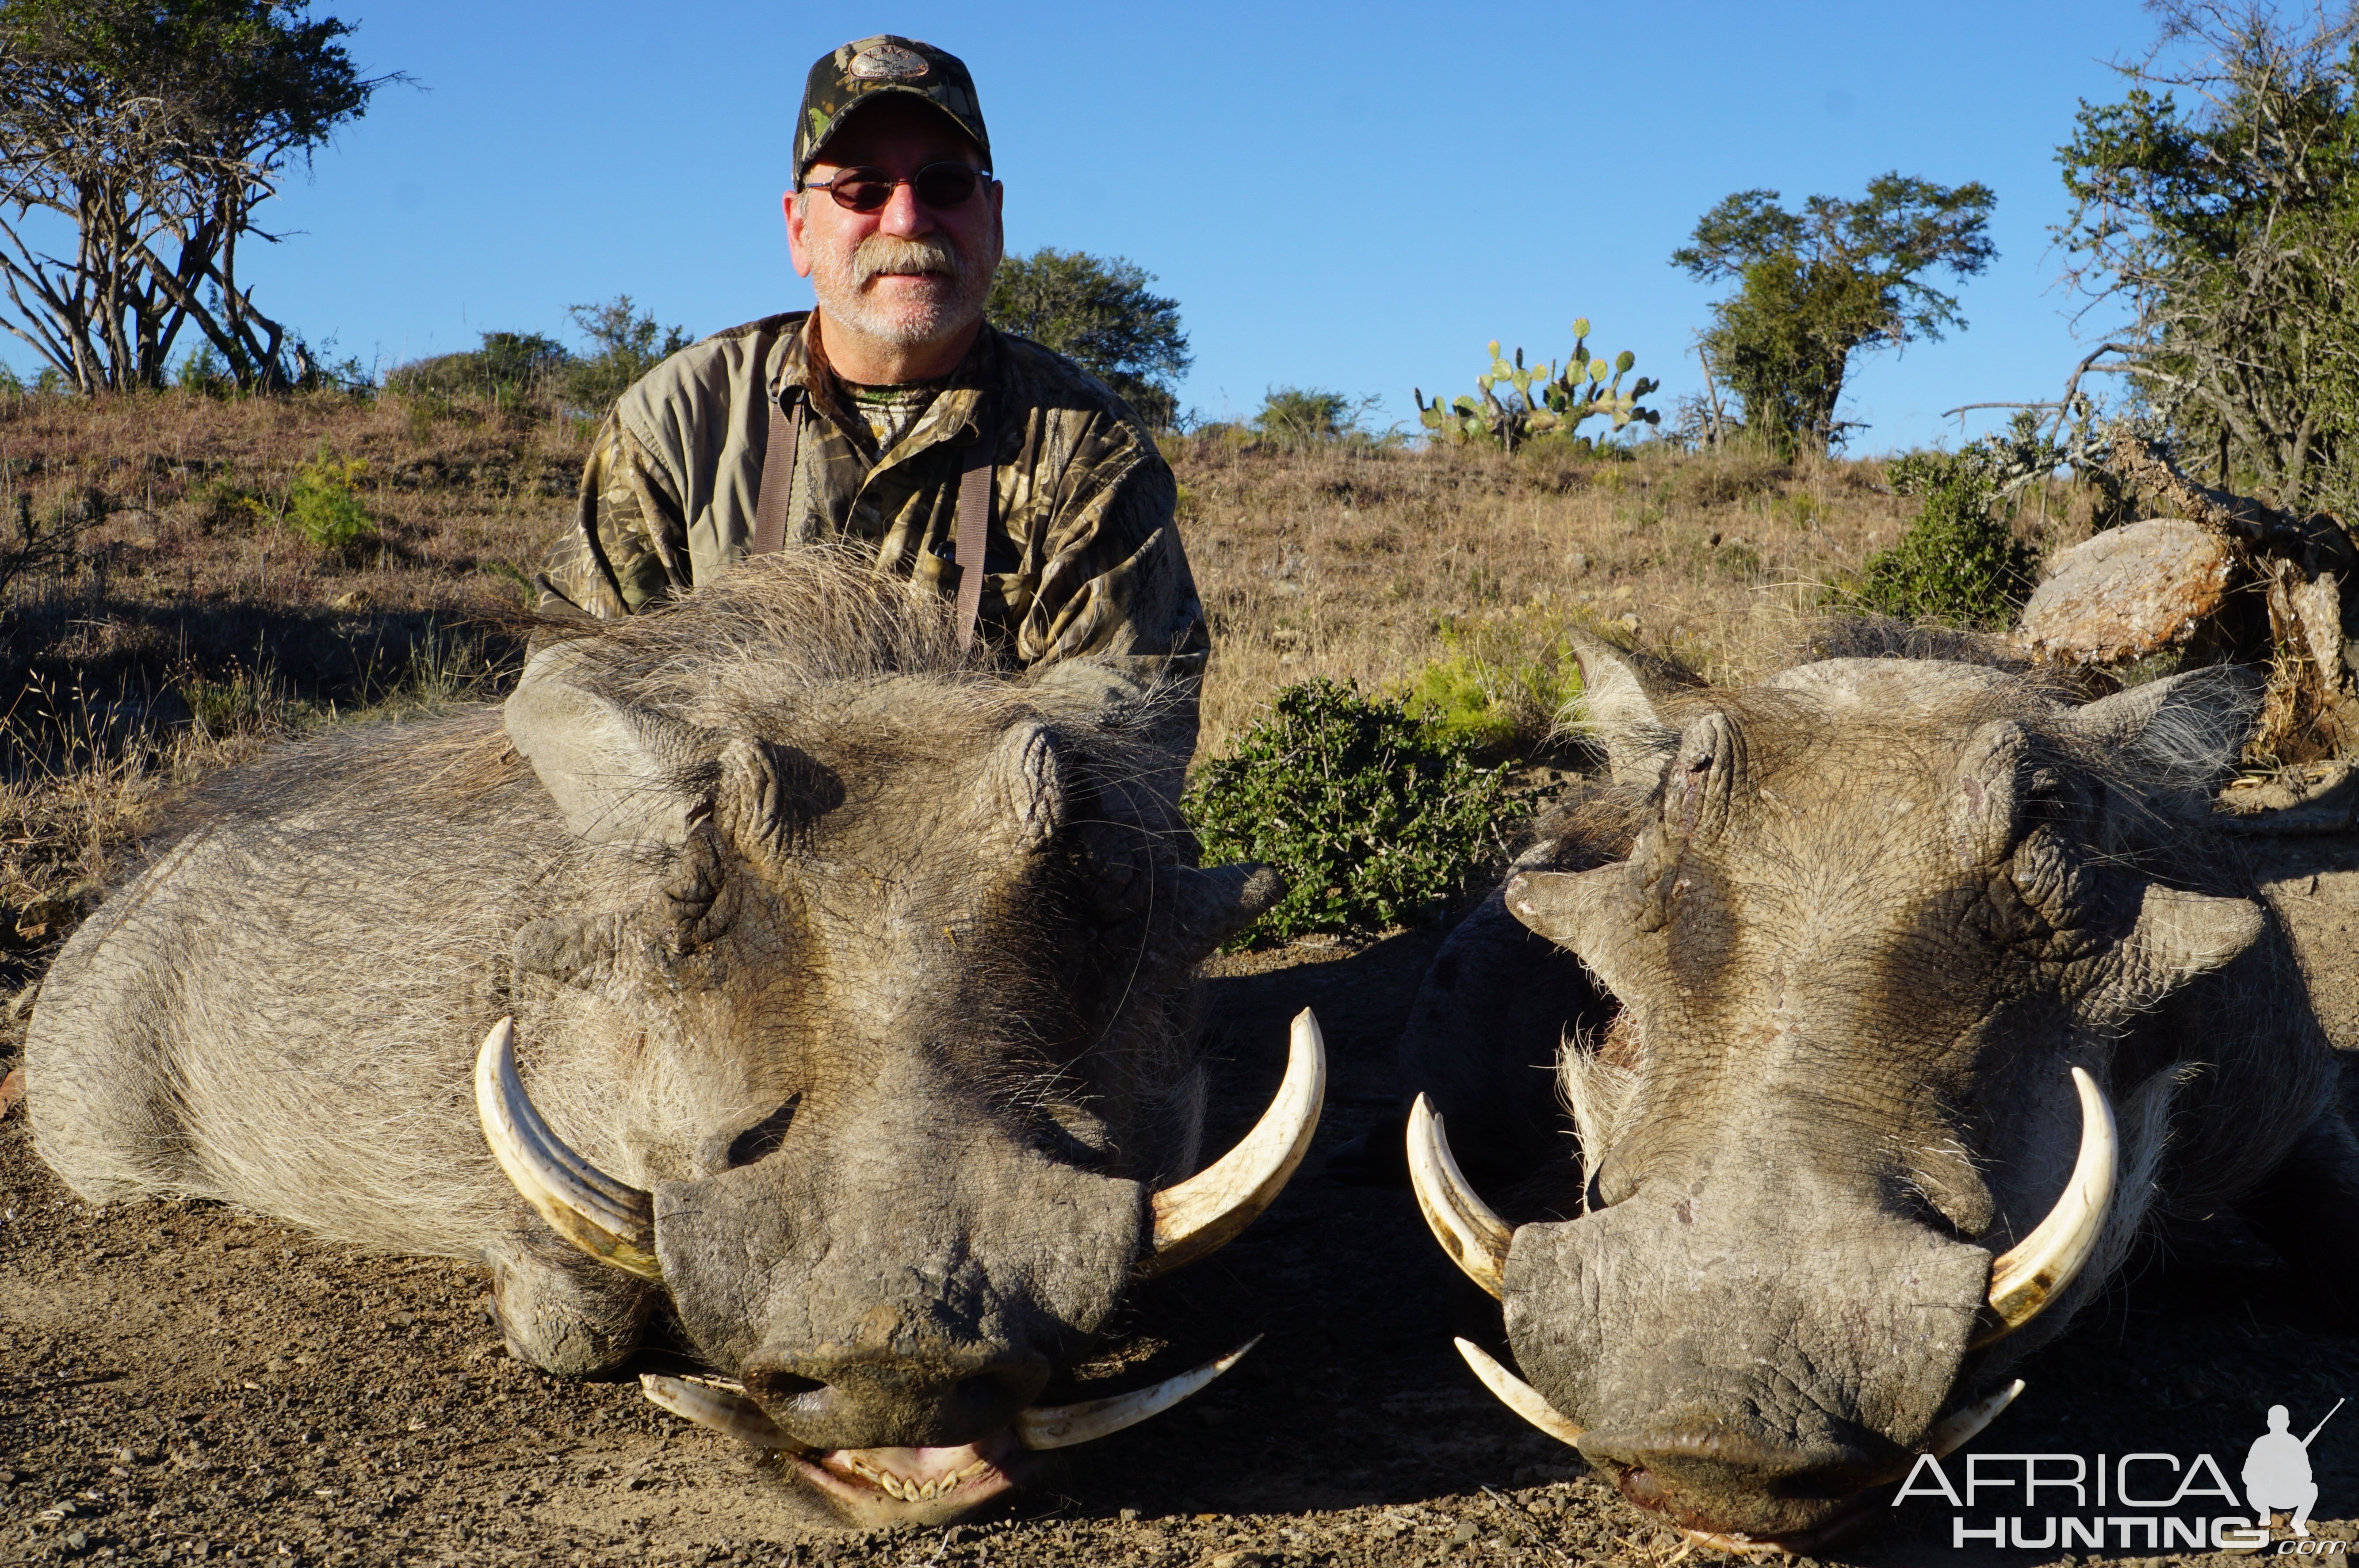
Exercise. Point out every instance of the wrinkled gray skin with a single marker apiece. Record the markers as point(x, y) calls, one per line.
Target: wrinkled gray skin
point(872, 968)
point(1858, 923)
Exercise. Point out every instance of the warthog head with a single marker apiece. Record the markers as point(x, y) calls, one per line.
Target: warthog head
point(1887, 936)
point(867, 1044)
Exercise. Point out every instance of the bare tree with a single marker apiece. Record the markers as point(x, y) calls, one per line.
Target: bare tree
point(137, 137)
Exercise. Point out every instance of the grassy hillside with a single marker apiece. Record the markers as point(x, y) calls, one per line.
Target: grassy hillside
point(183, 615)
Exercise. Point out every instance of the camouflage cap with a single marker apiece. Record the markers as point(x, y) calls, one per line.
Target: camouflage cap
point(868, 69)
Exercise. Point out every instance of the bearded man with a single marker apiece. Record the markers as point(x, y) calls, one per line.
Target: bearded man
point(893, 417)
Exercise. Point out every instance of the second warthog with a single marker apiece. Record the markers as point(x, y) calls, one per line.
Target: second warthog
point(764, 964)
point(1910, 991)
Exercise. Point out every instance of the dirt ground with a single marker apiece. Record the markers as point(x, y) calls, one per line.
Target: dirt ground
point(182, 1382)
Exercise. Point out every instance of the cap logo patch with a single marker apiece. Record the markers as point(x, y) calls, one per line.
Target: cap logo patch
point(887, 62)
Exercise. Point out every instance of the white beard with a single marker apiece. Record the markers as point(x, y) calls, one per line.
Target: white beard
point(952, 299)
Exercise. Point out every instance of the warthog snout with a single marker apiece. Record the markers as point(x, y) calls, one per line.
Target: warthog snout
point(933, 1394)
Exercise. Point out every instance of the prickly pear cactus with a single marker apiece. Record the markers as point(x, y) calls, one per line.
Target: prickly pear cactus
point(1565, 398)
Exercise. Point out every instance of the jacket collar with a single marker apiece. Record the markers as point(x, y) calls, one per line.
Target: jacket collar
point(956, 412)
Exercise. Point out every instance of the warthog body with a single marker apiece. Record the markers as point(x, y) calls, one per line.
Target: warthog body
point(1845, 936)
point(867, 969)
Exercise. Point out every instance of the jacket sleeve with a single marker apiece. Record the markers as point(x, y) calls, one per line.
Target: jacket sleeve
point(1116, 583)
point(628, 544)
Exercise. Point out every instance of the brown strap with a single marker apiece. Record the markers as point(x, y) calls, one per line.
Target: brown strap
point(974, 525)
point(777, 481)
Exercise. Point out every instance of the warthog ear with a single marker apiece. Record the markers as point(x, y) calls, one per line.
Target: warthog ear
point(615, 772)
point(2183, 733)
point(1024, 772)
point(1615, 706)
point(1213, 906)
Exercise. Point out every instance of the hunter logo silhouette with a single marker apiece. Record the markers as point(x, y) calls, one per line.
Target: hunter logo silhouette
point(2276, 1472)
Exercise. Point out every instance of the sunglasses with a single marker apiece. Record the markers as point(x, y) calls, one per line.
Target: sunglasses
point(938, 185)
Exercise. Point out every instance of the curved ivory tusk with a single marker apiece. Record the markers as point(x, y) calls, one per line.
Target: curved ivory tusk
point(608, 1219)
point(1475, 1239)
point(1062, 1426)
point(2033, 1272)
point(1517, 1395)
point(1206, 1211)
point(1958, 1428)
point(723, 1406)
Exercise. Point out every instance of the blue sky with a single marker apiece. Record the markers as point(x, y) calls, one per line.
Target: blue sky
point(1349, 197)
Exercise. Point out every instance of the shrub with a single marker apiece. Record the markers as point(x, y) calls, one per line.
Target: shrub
point(1958, 563)
point(321, 505)
point(1498, 687)
point(629, 344)
point(205, 373)
point(510, 365)
point(1374, 818)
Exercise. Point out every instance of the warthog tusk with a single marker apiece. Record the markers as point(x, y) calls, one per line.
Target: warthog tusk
point(2035, 1270)
point(1475, 1239)
point(1062, 1426)
point(723, 1406)
point(1958, 1428)
point(605, 1218)
point(1206, 1211)
point(1517, 1395)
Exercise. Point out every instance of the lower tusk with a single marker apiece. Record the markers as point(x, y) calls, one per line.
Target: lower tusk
point(608, 1219)
point(1209, 1209)
point(1476, 1239)
point(2029, 1275)
point(723, 1407)
point(1517, 1395)
point(1062, 1426)
point(1958, 1428)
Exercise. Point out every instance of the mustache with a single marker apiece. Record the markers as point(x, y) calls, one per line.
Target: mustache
point(880, 255)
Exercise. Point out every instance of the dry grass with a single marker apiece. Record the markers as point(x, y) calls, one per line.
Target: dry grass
point(1351, 564)
point(186, 627)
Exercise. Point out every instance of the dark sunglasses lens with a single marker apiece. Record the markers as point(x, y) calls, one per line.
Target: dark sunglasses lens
point(861, 190)
point(945, 184)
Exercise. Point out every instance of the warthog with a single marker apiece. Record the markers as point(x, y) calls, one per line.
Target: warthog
point(833, 1000)
point(1914, 988)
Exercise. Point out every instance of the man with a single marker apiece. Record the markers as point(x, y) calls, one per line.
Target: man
point(904, 410)
point(2276, 1472)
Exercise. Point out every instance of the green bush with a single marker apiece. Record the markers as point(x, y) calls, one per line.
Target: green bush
point(629, 344)
point(511, 366)
point(1376, 819)
point(1960, 563)
point(321, 505)
point(1498, 686)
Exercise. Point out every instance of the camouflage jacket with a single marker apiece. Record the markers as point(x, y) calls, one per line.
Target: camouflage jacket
point(1082, 557)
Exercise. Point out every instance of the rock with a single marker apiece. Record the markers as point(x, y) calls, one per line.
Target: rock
point(2130, 592)
point(1467, 1531)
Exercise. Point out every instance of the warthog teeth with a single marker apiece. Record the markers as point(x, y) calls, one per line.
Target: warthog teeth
point(609, 1219)
point(1476, 1239)
point(1958, 1428)
point(894, 1485)
point(1062, 1426)
point(1517, 1395)
point(717, 1404)
point(1209, 1209)
point(2029, 1275)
